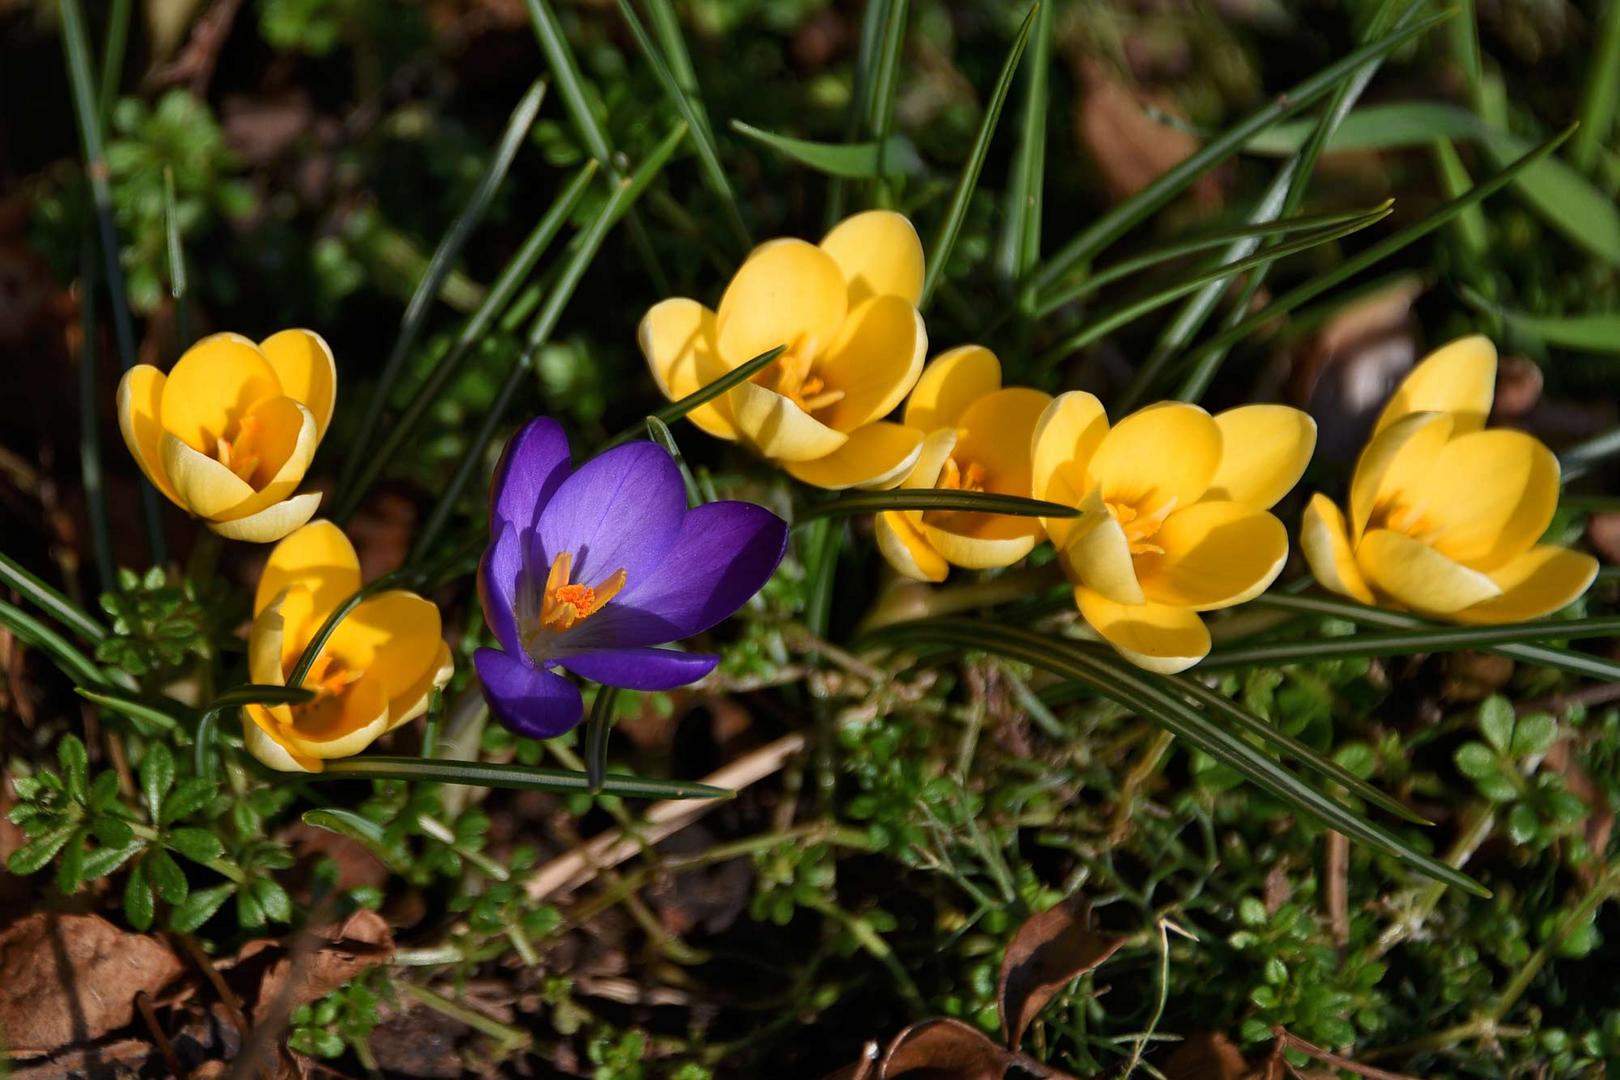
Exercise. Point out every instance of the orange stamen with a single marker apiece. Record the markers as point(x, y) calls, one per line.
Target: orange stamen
point(1139, 528)
point(566, 603)
point(958, 477)
point(240, 455)
point(791, 377)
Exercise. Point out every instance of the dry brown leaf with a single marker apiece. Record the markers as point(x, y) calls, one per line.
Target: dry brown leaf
point(1599, 823)
point(1047, 951)
point(73, 978)
point(1130, 147)
point(943, 1049)
point(296, 974)
point(1205, 1055)
point(1604, 532)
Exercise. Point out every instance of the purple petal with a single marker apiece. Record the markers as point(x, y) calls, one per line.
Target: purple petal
point(725, 553)
point(620, 510)
point(641, 669)
point(527, 699)
point(532, 467)
point(500, 575)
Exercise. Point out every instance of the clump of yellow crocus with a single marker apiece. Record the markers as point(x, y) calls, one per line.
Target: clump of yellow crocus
point(228, 434)
point(846, 311)
point(1445, 515)
point(376, 671)
point(1174, 515)
point(976, 437)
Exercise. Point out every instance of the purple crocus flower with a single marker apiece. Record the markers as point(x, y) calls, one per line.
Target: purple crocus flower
point(591, 569)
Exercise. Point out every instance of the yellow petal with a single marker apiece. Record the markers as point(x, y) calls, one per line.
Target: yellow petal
point(140, 406)
point(951, 382)
point(1152, 636)
point(1163, 454)
point(937, 447)
point(1216, 554)
point(204, 486)
point(981, 541)
point(271, 523)
point(1420, 577)
point(1458, 378)
point(307, 373)
point(286, 444)
point(212, 386)
point(1490, 495)
point(1098, 555)
point(996, 433)
point(1541, 581)
point(875, 456)
point(677, 337)
point(874, 362)
point(414, 701)
point(393, 637)
point(787, 293)
point(319, 558)
point(905, 548)
point(265, 641)
point(1264, 451)
point(340, 725)
point(1396, 461)
point(778, 428)
point(258, 736)
point(1325, 540)
point(879, 254)
point(1065, 437)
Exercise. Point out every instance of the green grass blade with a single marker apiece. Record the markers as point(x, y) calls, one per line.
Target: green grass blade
point(1597, 333)
point(512, 276)
point(347, 823)
point(1323, 766)
point(1601, 94)
point(1107, 323)
point(1123, 217)
point(1252, 230)
point(178, 290)
point(1116, 680)
point(1578, 460)
point(939, 254)
point(50, 601)
point(579, 256)
point(597, 729)
point(971, 502)
point(1565, 199)
point(873, 16)
point(580, 102)
point(438, 268)
point(703, 394)
point(1292, 182)
point(1401, 125)
point(1205, 360)
point(75, 44)
point(667, 28)
point(1576, 663)
point(1455, 180)
point(63, 652)
point(1408, 642)
point(522, 777)
point(1019, 246)
point(112, 57)
point(850, 161)
point(134, 707)
point(261, 694)
point(90, 472)
point(708, 153)
point(885, 88)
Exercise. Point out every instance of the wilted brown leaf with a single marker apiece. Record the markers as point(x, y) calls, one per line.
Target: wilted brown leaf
point(295, 974)
point(943, 1049)
point(1130, 147)
point(73, 978)
point(1047, 951)
point(1205, 1055)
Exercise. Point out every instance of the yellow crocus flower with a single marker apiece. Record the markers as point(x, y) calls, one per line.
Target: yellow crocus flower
point(1445, 515)
point(1174, 515)
point(976, 437)
point(847, 312)
point(376, 671)
point(228, 434)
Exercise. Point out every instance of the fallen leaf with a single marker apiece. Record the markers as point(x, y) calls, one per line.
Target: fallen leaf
point(1599, 823)
point(1604, 533)
point(1518, 387)
point(73, 978)
point(943, 1049)
point(1131, 148)
point(300, 971)
point(1205, 1055)
point(1047, 951)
